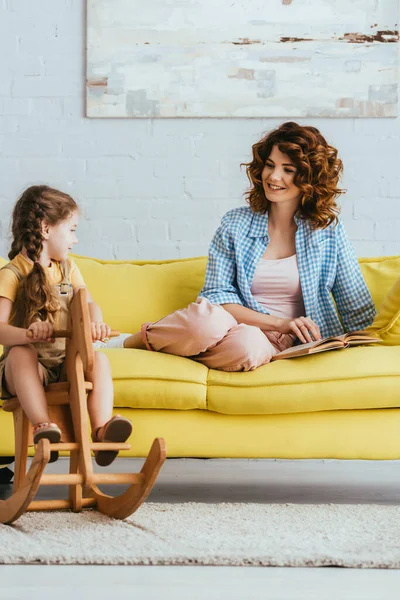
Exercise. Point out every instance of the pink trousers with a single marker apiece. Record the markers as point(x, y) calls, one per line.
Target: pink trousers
point(210, 335)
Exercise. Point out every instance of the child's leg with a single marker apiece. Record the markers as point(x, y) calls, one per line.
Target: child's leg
point(24, 378)
point(101, 399)
point(100, 404)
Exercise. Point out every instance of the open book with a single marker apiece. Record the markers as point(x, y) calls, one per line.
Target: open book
point(336, 342)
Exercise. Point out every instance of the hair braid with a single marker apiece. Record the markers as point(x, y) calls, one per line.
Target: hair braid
point(16, 248)
point(32, 236)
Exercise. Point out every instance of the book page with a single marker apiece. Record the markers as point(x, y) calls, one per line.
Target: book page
point(362, 341)
point(362, 336)
point(312, 348)
point(328, 341)
point(323, 341)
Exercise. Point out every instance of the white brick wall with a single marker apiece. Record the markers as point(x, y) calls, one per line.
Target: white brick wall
point(154, 189)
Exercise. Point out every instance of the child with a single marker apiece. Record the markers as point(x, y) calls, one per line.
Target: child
point(36, 288)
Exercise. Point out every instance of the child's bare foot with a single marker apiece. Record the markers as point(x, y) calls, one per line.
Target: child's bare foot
point(49, 431)
point(117, 429)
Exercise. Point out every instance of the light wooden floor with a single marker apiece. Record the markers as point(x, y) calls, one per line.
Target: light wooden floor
point(213, 480)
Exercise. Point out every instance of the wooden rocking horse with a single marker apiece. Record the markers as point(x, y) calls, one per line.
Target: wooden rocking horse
point(67, 407)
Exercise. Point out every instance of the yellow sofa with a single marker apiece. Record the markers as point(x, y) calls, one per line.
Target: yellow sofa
point(342, 404)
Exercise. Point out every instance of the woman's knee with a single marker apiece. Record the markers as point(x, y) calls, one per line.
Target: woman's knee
point(249, 349)
point(208, 324)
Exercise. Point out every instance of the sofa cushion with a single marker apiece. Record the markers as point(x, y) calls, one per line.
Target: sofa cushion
point(131, 293)
point(380, 274)
point(355, 378)
point(387, 321)
point(153, 380)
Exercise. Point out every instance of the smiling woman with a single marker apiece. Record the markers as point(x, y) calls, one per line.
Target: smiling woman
point(276, 268)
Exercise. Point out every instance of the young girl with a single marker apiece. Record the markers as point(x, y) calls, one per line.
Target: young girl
point(36, 288)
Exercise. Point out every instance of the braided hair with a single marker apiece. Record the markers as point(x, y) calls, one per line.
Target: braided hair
point(35, 299)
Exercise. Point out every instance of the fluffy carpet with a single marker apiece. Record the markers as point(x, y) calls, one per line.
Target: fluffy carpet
point(295, 535)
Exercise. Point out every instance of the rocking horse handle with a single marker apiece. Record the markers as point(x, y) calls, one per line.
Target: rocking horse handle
point(65, 333)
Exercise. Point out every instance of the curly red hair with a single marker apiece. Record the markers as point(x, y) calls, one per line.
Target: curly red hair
point(318, 169)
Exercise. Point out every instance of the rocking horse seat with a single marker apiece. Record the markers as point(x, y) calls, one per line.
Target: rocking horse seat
point(56, 394)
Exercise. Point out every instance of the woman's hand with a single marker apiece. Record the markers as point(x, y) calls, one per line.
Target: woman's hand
point(41, 331)
point(100, 330)
point(303, 327)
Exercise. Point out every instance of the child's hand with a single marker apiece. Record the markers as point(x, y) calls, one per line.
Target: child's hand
point(100, 330)
point(42, 331)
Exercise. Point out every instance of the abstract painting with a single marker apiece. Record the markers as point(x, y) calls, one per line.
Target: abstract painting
point(249, 58)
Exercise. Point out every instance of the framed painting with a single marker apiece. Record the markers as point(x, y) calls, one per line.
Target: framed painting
point(249, 58)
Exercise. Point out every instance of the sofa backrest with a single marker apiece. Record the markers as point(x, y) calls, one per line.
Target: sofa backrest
point(133, 292)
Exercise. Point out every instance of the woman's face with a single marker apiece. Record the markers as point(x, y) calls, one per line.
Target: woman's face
point(278, 178)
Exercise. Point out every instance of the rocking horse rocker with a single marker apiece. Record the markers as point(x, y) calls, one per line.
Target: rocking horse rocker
point(67, 407)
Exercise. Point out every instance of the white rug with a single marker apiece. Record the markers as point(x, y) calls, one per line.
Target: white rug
point(295, 535)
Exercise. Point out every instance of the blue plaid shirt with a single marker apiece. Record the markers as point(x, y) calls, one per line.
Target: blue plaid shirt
point(328, 269)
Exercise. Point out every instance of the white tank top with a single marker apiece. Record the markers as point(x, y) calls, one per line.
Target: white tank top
point(276, 286)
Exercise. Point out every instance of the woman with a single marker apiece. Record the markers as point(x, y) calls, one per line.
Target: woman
point(276, 267)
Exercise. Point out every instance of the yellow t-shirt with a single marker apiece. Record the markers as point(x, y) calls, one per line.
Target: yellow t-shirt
point(9, 281)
